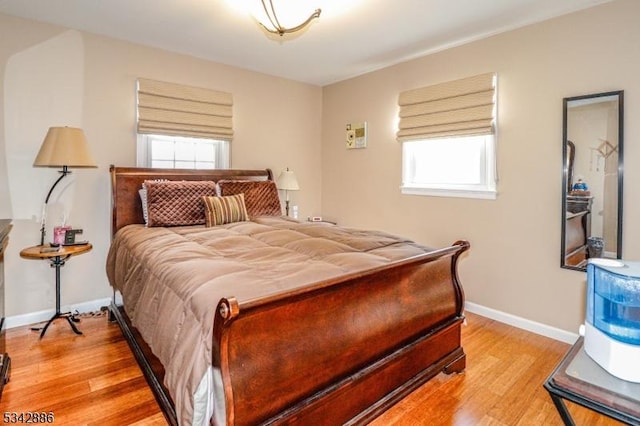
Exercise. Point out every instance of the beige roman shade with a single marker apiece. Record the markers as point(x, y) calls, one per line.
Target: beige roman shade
point(456, 108)
point(178, 110)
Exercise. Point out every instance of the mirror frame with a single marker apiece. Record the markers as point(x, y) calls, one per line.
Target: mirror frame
point(567, 173)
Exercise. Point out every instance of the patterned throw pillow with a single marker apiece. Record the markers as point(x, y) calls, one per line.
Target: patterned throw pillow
point(221, 210)
point(261, 197)
point(177, 203)
point(143, 199)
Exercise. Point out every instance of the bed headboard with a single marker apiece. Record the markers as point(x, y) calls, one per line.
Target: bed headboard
point(126, 181)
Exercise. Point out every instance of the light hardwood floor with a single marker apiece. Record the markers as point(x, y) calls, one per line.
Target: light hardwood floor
point(93, 379)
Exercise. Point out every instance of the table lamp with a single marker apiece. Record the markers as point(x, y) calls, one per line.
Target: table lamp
point(64, 147)
point(287, 181)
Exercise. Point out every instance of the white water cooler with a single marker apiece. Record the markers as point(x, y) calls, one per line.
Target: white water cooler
point(612, 326)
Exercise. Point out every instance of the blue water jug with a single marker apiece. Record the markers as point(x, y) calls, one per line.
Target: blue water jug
point(613, 299)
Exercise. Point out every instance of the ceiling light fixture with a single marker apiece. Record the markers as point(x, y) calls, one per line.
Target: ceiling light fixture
point(275, 27)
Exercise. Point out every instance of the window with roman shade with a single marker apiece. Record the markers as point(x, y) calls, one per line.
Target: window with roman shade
point(183, 126)
point(455, 108)
point(448, 135)
point(179, 110)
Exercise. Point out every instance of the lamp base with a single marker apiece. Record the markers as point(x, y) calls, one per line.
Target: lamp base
point(65, 171)
point(620, 359)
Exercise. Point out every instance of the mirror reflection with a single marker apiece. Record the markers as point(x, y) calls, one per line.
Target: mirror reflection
point(592, 178)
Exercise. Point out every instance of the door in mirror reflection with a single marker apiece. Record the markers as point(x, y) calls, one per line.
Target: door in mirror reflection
point(592, 178)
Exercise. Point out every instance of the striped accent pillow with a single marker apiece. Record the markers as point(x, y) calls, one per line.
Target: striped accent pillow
point(221, 210)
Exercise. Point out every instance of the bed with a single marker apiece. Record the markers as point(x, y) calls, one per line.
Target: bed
point(272, 320)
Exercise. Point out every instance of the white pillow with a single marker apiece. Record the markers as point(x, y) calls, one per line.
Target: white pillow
point(143, 199)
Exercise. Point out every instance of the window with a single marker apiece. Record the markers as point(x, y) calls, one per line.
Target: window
point(178, 152)
point(458, 167)
point(448, 137)
point(183, 126)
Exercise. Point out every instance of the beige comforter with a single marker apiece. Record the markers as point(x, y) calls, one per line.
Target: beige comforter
point(171, 279)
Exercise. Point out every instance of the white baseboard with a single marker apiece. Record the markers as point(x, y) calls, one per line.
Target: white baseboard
point(506, 318)
point(42, 316)
point(523, 323)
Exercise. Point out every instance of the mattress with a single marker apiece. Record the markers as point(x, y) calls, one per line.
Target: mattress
point(171, 279)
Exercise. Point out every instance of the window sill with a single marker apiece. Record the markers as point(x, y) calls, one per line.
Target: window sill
point(454, 193)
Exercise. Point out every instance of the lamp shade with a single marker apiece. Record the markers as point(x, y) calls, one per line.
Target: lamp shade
point(287, 181)
point(64, 147)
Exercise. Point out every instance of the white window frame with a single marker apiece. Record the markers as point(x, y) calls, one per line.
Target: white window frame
point(145, 152)
point(485, 189)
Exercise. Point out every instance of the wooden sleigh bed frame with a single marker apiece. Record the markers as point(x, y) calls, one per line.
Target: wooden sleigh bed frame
point(256, 391)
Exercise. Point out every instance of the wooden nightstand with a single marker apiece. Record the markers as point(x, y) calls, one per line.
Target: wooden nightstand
point(57, 258)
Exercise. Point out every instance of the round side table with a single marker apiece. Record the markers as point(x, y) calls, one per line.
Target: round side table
point(57, 256)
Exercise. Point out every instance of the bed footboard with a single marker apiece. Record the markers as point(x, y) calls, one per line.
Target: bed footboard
point(343, 351)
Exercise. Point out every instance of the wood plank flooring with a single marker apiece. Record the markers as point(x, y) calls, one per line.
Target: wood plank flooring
point(93, 379)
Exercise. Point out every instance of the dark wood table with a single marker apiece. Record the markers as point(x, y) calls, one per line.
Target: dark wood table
point(5, 361)
point(579, 379)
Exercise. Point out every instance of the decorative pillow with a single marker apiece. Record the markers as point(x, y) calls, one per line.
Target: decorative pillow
point(175, 203)
point(143, 199)
point(221, 210)
point(261, 197)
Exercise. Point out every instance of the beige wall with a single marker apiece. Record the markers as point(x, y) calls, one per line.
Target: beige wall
point(513, 265)
point(277, 124)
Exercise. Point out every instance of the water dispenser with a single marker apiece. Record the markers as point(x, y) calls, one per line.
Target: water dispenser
point(612, 326)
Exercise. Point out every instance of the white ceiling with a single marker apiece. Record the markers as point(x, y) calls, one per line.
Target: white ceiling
point(351, 37)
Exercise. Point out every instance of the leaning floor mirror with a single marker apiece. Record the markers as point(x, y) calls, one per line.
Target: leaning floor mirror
point(592, 178)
